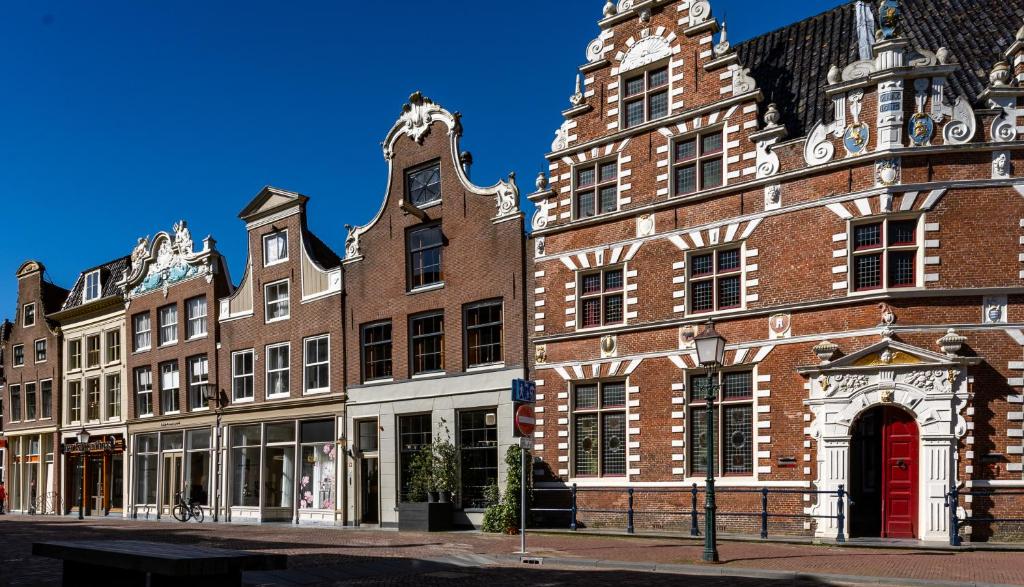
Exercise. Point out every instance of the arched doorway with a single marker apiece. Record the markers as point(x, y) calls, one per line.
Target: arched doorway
point(884, 474)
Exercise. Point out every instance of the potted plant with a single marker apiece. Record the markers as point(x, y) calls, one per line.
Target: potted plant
point(420, 511)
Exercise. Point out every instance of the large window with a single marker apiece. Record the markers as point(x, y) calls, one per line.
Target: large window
point(316, 482)
point(74, 354)
point(147, 456)
point(884, 253)
point(279, 474)
point(46, 399)
point(169, 388)
point(74, 401)
point(195, 311)
point(92, 286)
point(277, 370)
point(198, 379)
point(483, 325)
point(734, 446)
point(597, 189)
point(143, 392)
point(425, 246)
point(94, 401)
point(30, 401)
point(275, 248)
point(92, 351)
point(317, 364)
point(245, 461)
point(168, 316)
point(599, 429)
point(645, 97)
point(414, 433)
point(143, 333)
point(423, 185)
point(377, 351)
point(277, 301)
point(41, 350)
point(478, 457)
point(197, 473)
point(15, 403)
point(113, 346)
point(242, 376)
point(427, 348)
point(601, 295)
point(113, 389)
point(697, 163)
point(716, 280)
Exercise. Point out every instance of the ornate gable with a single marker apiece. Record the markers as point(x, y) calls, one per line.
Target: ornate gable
point(271, 201)
point(166, 260)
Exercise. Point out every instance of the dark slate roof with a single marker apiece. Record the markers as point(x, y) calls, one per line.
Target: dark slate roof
point(791, 64)
point(53, 297)
point(111, 273)
point(322, 253)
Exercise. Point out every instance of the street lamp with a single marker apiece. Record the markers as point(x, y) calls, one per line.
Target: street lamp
point(710, 354)
point(217, 403)
point(83, 439)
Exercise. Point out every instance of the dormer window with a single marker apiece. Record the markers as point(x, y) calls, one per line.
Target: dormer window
point(92, 286)
point(423, 185)
point(645, 97)
point(275, 248)
point(597, 189)
point(29, 318)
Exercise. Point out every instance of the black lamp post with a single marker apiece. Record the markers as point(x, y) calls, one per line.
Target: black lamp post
point(217, 403)
point(83, 439)
point(710, 354)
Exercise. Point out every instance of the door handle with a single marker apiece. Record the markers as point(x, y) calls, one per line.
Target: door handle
point(901, 464)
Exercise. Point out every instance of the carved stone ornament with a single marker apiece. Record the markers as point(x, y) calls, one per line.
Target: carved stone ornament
point(843, 384)
point(139, 253)
point(819, 149)
point(1001, 165)
point(1000, 75)
point(780, 326)
point(825, 351)
point(577, 97)
point(624, 5)
point(951, 343)
point(609, 9)
point(962, 124)
point(644, 52)
point(417, 116)
point(352, 242)
point(170, 260)
point(687, 334)
point(540, 215)
point(645, 225)
point(742, 82)
point(1003, 128)
point(723, 45)
point(183, 238)
point(595, 50)
point(609, 346)
point(858, 70)
point(561, 141)
point(886, 396)
point(888, 320)
point(700, 12)
point(772, 196)
point(540, 354)
point(887, 172)
point(889, 17)
point(507, 197)
point(993, 309)
point(835, 75)
point(539, 248)
point(541, 182)
point(767, 159)
point(772, 116)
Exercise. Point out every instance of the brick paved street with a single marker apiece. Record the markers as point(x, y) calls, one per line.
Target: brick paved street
point(330, 556)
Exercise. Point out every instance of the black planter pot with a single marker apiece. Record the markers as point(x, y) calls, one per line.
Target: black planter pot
point(425, 517)
point(431, 497)
point(445, 497)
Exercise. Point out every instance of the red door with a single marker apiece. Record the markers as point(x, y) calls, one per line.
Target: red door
point(899, 475)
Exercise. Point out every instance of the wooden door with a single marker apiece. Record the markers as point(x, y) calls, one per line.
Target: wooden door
point(899, 475)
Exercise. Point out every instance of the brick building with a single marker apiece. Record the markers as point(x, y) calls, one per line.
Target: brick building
point(32, 368)
point(821, 193)
point(170, 346)
point(281, 370)
point(5, 332)
point(434, 320)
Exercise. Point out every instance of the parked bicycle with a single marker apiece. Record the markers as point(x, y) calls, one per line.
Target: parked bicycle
point(47, 504)
point(184, 511)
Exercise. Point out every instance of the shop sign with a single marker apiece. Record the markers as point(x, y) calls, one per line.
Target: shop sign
point(94, 446)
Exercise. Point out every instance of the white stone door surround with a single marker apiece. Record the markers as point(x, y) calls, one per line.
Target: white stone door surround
point(930, 386)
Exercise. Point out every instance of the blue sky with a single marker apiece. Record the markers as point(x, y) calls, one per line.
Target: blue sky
point(119, 117)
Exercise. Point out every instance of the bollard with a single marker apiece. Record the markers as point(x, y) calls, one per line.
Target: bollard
point(693, 512)
point(629, 517)
point(764, 513)
point(841, 516)
point(953, 503)
point(572, 524)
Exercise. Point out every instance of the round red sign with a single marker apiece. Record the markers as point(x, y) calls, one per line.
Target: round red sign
point(526, 421)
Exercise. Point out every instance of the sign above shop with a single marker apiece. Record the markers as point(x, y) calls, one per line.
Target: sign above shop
point(100, 445)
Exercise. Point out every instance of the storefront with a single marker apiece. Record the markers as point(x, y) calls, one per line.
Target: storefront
point(168, 463)
point(32, 482)
point(283, 471)
point(94, 474)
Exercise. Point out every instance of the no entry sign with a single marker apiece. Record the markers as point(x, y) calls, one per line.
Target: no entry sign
point(526, 421)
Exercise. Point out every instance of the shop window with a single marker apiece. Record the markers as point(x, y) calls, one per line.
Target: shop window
point(275, 248)
point(645, 97)
point(483, 323)
point(74, 354)
point(278, 305)
point(599, 429)
point(41, 351)
point(414, 433)
point(318, 452)
point(425, 246)
point(30, 401)
point(423, 185)
point(197, 463)
point(317, 364)
point(147, 456)
point(198, 380)
point(242, 376)
point(734, 427)
point(597, 189)
point(18, 355)
point(92, 351)
point(601, 298)
point(169, 388)
point(29, 315)
point(94, 401)
point(168, 317)
point(278, 370)
point(195, 313)
point(143, 333)
point(245, 462)
point(478, 456)
point(716, 280)
point(279, 476)
point(46, 399)
point(143, 392)
point(113, 346)
point(427, 343)
point(74, 401)
point(884, 254)
point(697, 163)
point(113, 388)
point(377, 351)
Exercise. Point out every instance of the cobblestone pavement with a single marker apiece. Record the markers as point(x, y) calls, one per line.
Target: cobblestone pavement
point(332, 556)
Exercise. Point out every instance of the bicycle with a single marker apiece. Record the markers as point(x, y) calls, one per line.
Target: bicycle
point(184, 511)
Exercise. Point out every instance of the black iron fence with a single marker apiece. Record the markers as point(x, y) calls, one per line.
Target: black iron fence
point(766, 514)
point(953, 505)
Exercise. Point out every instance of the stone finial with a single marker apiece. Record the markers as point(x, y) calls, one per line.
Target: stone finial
point(609, 9)
point(577, 97)
point(723, 45)
point(1000, 75)
point(835, 75)
point(826, 351)
point(942, 55)
point(542, 182)
point(951, 343)
point(772, 116)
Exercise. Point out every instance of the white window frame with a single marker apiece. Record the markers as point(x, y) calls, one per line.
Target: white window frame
point(646, 94)
point(136, 332)
point(14, 356)
point(275, 235)
point(78, 355)
point(189, 383)
point(596, 187)
point(198, 319)
point(71, 405)
point(266, 301)
point(884, 250)
point(160, 325)
point(24, 315)
point(268, 371)
point(306, 364)
point(177, 388)
point(98, 337)
point(135, 389)
point(106, 346)
point(251, 375)
point(580, 275)
point(86, 297)
point(107, 389)
point(35, 351)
